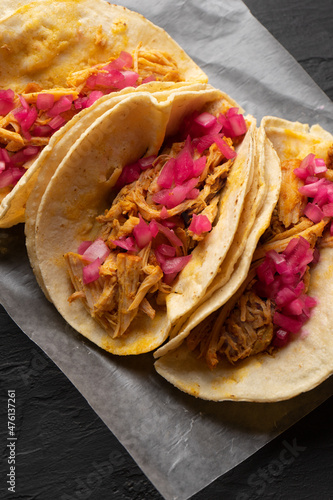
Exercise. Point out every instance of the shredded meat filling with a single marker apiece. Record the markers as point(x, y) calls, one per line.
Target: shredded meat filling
point(129, 284)
point(249, 328)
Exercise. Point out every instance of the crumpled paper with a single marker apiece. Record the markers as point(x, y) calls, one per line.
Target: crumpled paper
point(182, 444)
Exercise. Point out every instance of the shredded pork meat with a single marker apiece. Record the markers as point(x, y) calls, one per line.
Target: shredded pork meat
point(129, 284)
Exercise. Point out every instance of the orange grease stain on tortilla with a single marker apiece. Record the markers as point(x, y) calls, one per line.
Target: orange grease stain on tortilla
point(123, 347)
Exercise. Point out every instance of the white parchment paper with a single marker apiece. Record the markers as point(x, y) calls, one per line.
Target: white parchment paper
point(181, 444)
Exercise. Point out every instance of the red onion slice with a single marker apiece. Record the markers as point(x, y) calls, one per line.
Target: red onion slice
point(125, 60)
point(129, 173)
point(164, 213)
point(153, 227)
point(183, 167)
point(142, 233)
point(166, 250)
point(233, 124)
point(146, 162)
point(11, 176)
point(4, 156)
point(170, 198)
point(313, 212)
point(200, 224)
point(64, 104)
point(288, 323)
point(83, 247)
point(126, 243)
point(6, 101)
point(45, 101)
point(57, 122)
point(170, 235)
point(166, 177)
point(42, 131)
point(98, 249)
point(130, 79)
point(175, 264)
point(93, 97)
point(90, 272)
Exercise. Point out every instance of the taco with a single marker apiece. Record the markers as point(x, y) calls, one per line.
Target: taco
point(77, 54)
point(47, 165)
point(272, 339)
point(157, 189)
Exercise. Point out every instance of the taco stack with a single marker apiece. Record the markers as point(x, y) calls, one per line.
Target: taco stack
point(272, 339)
point(77, 55)
point(138, 219)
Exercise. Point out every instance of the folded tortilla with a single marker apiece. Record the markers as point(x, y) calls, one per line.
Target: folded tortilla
point(274, 373)
point(65, 44)
point(81, 189)
point(56, 151)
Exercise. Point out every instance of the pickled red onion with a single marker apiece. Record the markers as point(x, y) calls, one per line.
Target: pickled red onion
point(183, 167)
point(153, 227)
point(175, 264)
point(24, 155)
point(93, 97)
point(166, 250)
point(165, 179)
point(90, 272)
point(200, 224)
point(24, 103)
point(146, 162)
point(314, 212)
point(142, 233)
point(164, 213)
point(126, 243)
point(170, 235)
point(42, 131)
point(26, 118)
point(205, 119)
point(172, 197)
point(6, 101)
point(11, 176)
point(125, 60)
point(64, 104)
point(291, 324)
point(83, 247)
point(310, 166)
point(200, 124)
point(98, 249)
point(129, 173)
point(45, 101)
point(233, 124)
point(281, 281)
point(57, 122)
point(287, 294)
point(4, 156)
point(130, 79)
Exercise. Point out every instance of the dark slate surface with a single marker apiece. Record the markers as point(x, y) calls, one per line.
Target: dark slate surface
point(63, 449)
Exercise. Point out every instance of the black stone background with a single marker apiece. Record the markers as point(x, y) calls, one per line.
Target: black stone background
point(64, 451)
